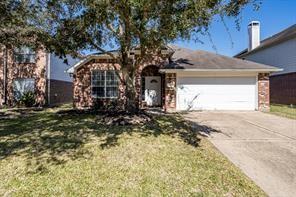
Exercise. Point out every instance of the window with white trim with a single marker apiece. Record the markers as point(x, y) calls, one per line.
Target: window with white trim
point(104, 84)
point(24, 55)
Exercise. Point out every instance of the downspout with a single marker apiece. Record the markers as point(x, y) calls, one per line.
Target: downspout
point(48, 78)
point(5, 76)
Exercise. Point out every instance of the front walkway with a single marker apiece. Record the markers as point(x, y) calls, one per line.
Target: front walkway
point(262, 145)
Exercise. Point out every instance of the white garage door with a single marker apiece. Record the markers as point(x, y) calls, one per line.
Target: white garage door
point(216, 93)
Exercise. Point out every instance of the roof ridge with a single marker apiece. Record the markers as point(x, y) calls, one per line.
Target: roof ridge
point(277, 34)
point(273, 39)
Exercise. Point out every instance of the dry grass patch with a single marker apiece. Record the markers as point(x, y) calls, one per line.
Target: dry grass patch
point(47, 153)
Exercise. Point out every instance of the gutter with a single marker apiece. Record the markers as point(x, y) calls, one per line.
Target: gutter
point(265, 70)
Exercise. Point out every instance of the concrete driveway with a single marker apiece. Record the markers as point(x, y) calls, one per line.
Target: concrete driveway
point(262, 145)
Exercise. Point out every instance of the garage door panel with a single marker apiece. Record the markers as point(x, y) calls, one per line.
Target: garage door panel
point(217, 80)
point(206, 102)
point(216, 93)
point(218, 89)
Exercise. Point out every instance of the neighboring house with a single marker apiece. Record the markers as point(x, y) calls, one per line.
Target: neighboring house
point(177, 79)
point(278, 50)
point(27, 70)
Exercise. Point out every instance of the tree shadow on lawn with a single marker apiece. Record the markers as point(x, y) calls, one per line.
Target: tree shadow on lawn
point(45, 139)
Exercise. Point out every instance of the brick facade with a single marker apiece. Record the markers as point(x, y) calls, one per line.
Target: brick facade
point(82, 97)
point(170, 92)
point(82, 86)
point(37, 71)
point(283, 89)
point(263, 92)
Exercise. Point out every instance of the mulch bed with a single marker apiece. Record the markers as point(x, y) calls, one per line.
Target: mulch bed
point(112, 118)
point(107, 117)
point(122, 118)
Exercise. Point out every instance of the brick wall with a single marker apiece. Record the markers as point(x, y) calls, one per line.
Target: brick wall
point(27, 70)
point(60, 92)
point(82, 97)
point(283, 88)
point(263, 92)
point(170, 92)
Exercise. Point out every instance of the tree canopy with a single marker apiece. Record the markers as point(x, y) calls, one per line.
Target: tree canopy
point(15, 26)
point(93, 24)
point(71, 25)
point(68, 26)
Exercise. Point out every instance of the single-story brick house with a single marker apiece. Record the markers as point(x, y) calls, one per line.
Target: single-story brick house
point(177, 79)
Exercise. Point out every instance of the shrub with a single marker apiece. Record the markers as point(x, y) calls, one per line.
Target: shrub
point(28, 99)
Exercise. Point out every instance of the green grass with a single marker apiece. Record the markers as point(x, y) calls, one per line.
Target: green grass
point(283, 110)
point(66, 154)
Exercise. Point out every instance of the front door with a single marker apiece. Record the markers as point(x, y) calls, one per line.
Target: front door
point(153, 91)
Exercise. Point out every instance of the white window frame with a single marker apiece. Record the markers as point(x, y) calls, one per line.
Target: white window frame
point(105, 85)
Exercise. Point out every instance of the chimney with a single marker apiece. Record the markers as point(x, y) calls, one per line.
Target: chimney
point(254, 35)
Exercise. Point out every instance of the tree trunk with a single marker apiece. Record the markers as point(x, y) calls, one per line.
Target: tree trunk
point(129, 70)
point(131, 98)
point(132, 103)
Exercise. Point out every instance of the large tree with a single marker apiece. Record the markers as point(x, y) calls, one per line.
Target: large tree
point(74, 25)
point(16, 26)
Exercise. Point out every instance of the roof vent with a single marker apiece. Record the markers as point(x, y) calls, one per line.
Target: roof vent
point(254, 34)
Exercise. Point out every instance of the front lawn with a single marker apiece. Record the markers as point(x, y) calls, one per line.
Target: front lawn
point(57, 153)
point(283, 110)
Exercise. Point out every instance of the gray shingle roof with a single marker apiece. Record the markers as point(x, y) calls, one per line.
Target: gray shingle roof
point(191, 59)
point(284, 35)
point(184, 58)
